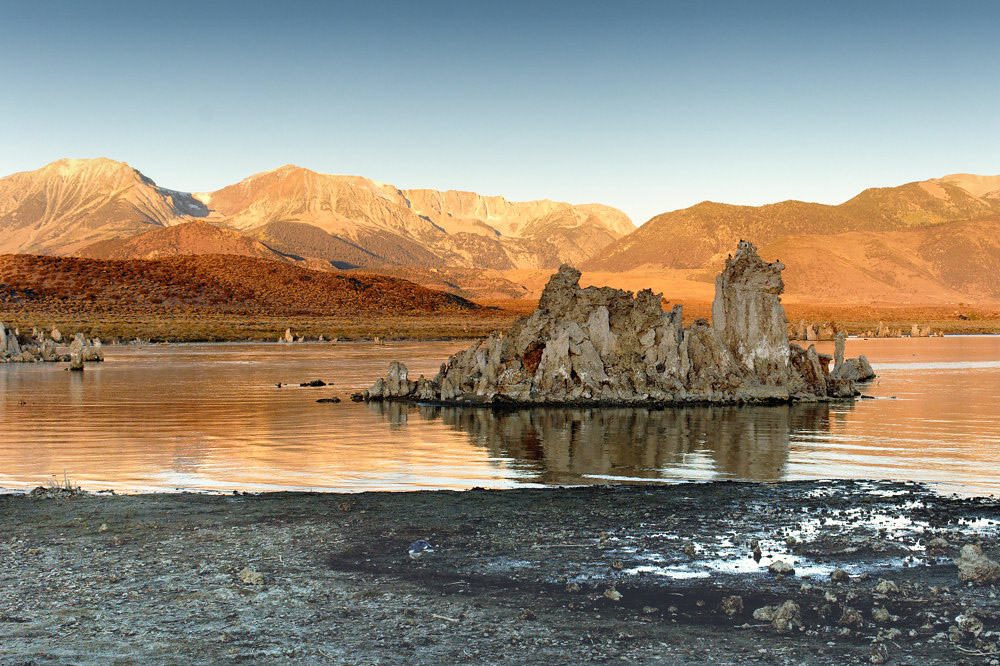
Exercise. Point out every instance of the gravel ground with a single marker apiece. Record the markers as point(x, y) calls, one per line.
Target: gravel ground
point(676, 574)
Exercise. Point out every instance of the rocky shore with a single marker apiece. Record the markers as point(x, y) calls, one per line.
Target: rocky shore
point(38, 347)
point(845, 572)
point(604, 346)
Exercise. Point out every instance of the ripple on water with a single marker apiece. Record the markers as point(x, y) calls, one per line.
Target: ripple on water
point(212, 417)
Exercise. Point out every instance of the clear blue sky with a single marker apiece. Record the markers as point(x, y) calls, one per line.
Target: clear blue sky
point(648, 106)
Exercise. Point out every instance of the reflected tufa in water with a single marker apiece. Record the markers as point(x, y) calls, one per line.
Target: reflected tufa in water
point(580, 445)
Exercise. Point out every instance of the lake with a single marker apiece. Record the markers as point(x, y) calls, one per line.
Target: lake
point(211, 417)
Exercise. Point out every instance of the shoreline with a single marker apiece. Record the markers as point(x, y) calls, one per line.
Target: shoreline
point(934, 488)
point(215, 327)
point(608, 573)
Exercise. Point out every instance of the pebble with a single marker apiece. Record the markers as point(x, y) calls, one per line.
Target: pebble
point(839, 576)
point(781, 568)
point(250, 576)
point(886, 587)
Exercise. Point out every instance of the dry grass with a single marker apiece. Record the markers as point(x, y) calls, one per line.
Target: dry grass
point(207, 284)
point(957, 319)
point(194, 327)
point(215, 298)
point(223, 327)
point(227, 284)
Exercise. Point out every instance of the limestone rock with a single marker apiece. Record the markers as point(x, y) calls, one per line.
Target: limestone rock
point(13, 345)
point(89, 350)
point(599, 345)
point(807, 365)
point(250, 576)
point(856, 370)
point(781, 568)
point(784, 618)
point(40, 347)
point(748, 317)
point(397, 381)
point(840, 342)
point(732, 605)
point(975, 567)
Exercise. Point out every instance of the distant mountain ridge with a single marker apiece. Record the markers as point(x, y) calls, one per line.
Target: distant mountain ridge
point(700, 236)
point(936, 240)
point(69, 204)
point(72, 206)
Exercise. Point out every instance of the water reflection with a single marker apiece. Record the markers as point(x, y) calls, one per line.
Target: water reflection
point(569, 445)
point(212, 417)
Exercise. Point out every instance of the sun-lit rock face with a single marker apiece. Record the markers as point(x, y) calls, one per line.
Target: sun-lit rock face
point(748, 317)
point(607, 346)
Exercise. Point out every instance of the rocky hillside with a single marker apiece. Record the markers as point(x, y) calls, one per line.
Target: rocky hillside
point(951, 262)
point(71, 206)
point(700, 236)
point(209, 284)
point(930, 241)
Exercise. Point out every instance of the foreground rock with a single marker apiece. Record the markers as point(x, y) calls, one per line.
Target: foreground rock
point(974, 567)
point(600, 345)
point(317, 578)
point(38, 347)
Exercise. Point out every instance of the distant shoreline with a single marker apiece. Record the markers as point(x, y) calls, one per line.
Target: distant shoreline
point(194, 326)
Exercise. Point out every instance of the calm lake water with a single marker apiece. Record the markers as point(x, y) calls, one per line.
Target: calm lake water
point(211, 417)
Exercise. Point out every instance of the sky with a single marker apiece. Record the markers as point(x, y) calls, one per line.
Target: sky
point(646, 106)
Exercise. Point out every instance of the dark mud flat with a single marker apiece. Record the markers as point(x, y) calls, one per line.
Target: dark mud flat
point(605, 574)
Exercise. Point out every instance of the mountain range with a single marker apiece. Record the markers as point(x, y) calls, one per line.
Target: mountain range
point(932, 241)
point(84, 207)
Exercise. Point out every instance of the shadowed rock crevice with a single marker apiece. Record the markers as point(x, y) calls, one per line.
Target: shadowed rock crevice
point(599, 345)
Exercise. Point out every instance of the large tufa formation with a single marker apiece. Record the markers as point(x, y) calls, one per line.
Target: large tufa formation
point(600, 345)
point(38, 347)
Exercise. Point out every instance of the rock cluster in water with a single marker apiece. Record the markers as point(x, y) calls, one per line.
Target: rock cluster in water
point(828, 331)
point(599, 345)
point(38, 347)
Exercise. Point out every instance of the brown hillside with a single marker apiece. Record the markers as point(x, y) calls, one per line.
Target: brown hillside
point(300, 240)
point(700, 236)
point(208, 283)
point(944, 263)
point(190, 238)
